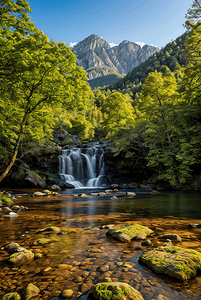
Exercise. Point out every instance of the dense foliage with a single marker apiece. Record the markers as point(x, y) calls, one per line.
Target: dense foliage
point(41, 87)
point(170, 59)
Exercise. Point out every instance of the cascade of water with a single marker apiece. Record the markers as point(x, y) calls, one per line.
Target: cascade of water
point(82, 167)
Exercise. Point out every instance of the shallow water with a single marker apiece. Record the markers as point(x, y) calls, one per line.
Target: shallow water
point(85, 248)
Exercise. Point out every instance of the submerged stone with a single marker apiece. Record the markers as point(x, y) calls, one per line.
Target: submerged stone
point(42, 241)
point(31, 291)
point(172, 237)
point(12, 296)
point(21, 257)
point(114, 290)
point(49, 229)
point(176, 262)
point(66, 294)
point(14, 247)
point(128, 231)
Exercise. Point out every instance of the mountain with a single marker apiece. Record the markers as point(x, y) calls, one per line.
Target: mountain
point(96, 56)
point(170, 58)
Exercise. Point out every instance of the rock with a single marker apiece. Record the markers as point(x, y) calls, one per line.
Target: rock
point(21, 257)
point(175, 262)
point(128, 231)
point(75, 139)
point(39, 194)
point(160, 297)
point(53, 229)
point(55, 188)
point(114, 198)
point(16, 208)
point(103, 268)
point(139, 237)
point(31, 291)
point(47, 192)
point(12, 296)
point(108, 191)
point(114, 290)
point(13, 248)
point(12, 214)
point(172, 237)
point(114, 186)
point(42, 241)
point(82, 195)
point(146, 243)
point(66, 294)
point(60, 134)
point(193, 225)
point(147, 186)
point(130, 194)
point(110, 226)
point(35, 179)
point(38, 255)
point(132, 185)
point(6, 210)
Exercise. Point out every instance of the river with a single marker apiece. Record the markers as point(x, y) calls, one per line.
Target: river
point(84, 247)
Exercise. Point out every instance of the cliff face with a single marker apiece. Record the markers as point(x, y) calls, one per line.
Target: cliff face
point(96, 56)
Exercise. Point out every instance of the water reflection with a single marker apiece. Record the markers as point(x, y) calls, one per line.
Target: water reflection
point(158, 205)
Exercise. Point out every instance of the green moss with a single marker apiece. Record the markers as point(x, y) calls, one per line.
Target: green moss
point(49, 229)
point(175, 262)
point(106, 292)
point(12, 296)
point(133, 229)
point(42, 241)
point(5, 199)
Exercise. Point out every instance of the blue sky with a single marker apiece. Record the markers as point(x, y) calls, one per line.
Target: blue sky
point(155, 22)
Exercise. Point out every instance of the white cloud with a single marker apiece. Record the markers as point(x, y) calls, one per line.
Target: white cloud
point(72, 44)
point(112, 45)
point(140, 43)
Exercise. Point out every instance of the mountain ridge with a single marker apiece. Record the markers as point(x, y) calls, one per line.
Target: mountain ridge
point(96, 56)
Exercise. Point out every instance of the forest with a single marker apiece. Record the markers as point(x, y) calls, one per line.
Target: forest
point(152, 115)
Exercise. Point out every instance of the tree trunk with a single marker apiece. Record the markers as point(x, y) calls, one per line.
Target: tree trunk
point(4, 174)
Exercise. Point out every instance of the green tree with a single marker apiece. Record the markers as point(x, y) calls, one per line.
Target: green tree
point(193, 14)
point(117, 113)
point(36, 78)
point(158, 94)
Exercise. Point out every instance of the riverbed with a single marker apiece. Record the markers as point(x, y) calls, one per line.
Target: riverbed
point(90, 255)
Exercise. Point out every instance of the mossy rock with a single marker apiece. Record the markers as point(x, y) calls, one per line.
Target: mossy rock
point(114, 291)
point(31, 291)
point(66, 294)
point(128, 231)
point(5, 199)
point(12, 296)
point(42, 241)
point(21, 257)
point(53, 229)
point(176, 262)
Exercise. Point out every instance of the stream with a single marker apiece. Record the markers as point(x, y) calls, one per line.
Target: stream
point(88, 254)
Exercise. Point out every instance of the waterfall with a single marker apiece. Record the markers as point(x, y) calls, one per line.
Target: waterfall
point(83, 167)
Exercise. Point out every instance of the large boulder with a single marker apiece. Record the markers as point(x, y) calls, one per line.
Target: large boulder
point(114, 290)
point(176, 262)
point(127, 232)
point(35, 179)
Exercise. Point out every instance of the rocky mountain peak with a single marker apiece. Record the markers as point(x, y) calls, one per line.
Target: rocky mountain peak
point(96, 56)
